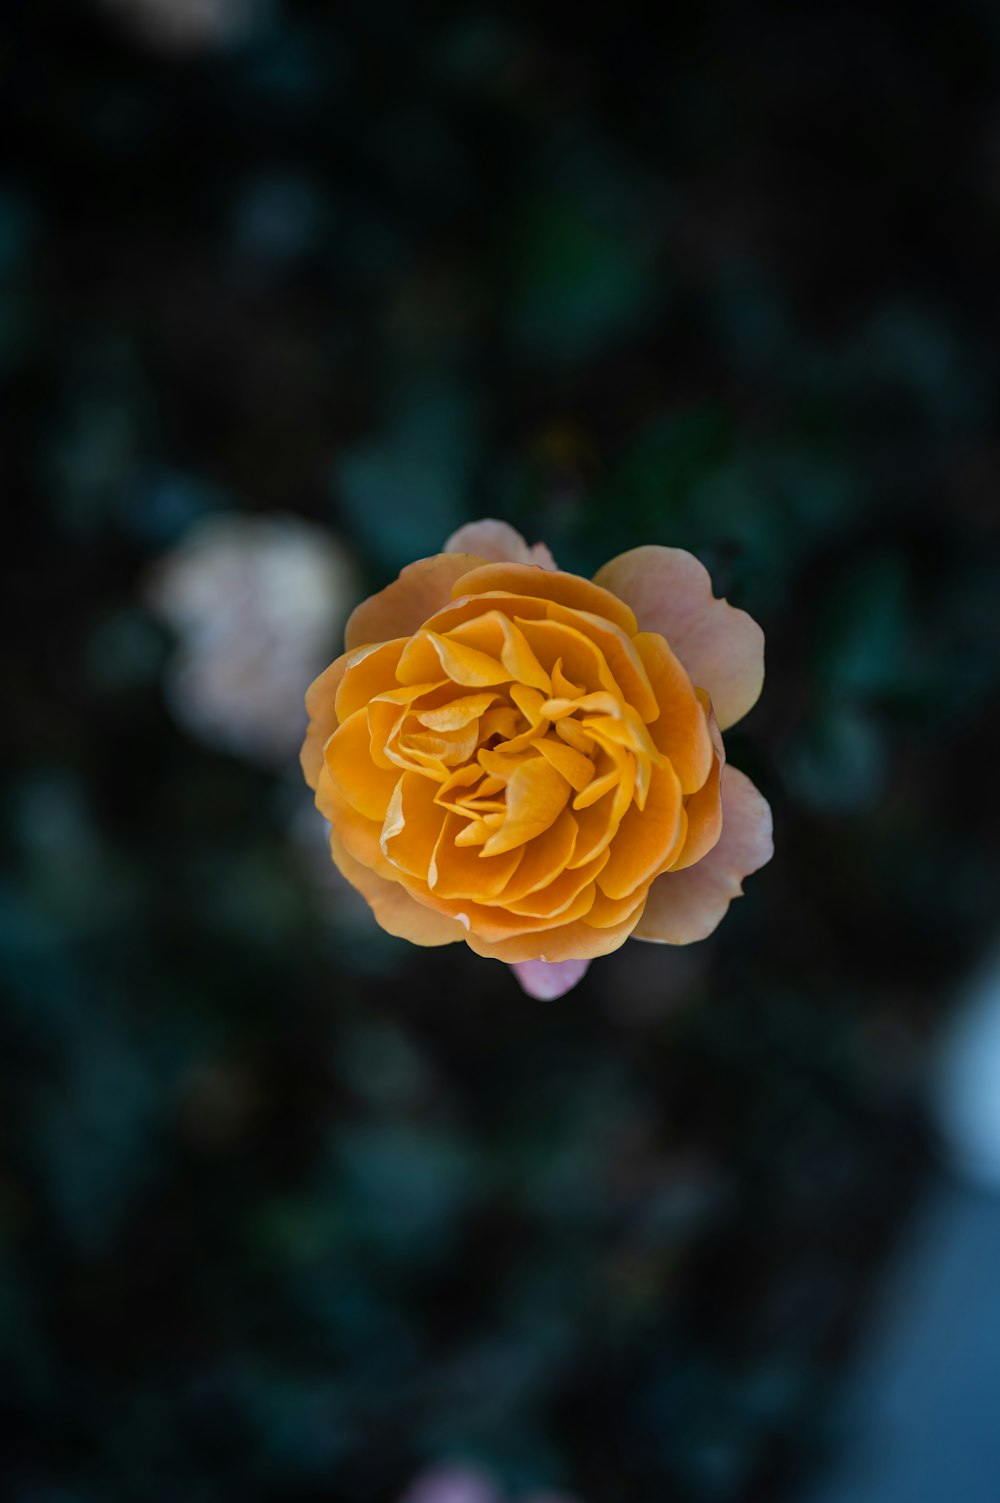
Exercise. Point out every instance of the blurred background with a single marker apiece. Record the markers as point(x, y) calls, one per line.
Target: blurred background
point(290, 1211)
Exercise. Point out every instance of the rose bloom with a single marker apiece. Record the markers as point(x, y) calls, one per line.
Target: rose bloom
point(532, 762)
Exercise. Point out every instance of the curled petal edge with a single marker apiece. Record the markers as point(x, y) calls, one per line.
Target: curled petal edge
point(688, 905)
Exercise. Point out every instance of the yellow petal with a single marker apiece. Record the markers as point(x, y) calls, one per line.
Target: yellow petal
point(577, 769)
point(562, 688)
point(467, 665)
point(501, 721)
point(457, 714)
point(452, 748)
point(348, 756)
point(536, 796)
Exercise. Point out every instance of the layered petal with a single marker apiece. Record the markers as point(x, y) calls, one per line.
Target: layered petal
point(577, 940)
point(685, 906)
point(547, 584)
point(721, 647)
point(498, 542)
point(394, 908)
point(321, 705)
point(403, 606)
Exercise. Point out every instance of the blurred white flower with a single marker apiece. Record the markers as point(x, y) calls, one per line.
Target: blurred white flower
point(454, 1484)
point(188, 25)
point(968, 1083)
point(451, 1485)
point(257, 605)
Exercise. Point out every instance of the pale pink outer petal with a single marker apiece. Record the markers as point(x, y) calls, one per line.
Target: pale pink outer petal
point(721, 647)
point(549, 979)
point(403, 606)
point(688, 905)
point(498, 542)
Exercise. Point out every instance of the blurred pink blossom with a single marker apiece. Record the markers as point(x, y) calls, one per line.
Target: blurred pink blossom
point(451, 1485)
point(257, 605)
point(188, 25)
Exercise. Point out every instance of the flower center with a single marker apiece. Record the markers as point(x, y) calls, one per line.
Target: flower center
point(513, 730)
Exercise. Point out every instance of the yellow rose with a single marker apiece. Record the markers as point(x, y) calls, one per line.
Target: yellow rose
point(532, 762)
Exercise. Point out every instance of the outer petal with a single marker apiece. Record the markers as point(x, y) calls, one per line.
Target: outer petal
point(545, 981)
point(572, 941)
point(392, 906)
point(721, 647)
point(688, 905)
point(321, 701)
point(398, 610)
point(498, 542)
point(548, 584)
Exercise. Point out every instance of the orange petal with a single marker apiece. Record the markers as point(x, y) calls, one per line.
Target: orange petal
point(457, 714)
point(721, 647)
point(536, 796)
point(413, 825)
point(607, 912)
point(544, 858)
point(321, 704)
point(681, 729)
point(502, 720)
point(627, 670)
point(562, 688)
point(458, 871)
point(576, 940)
point(393, 907)
point(548, 584)
point(493, 923)
point(370, 670)
point(581, 658)
point(498, 542)
point(385, 720)
point(471, 607)
point(704, 821)
point(646, 840)
point(687, 905)
point(402, 607)
point(467, 665)
point(577, 769)
point(598, 824)
point(359, 836)
point(348, 756)
point(556, 897)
